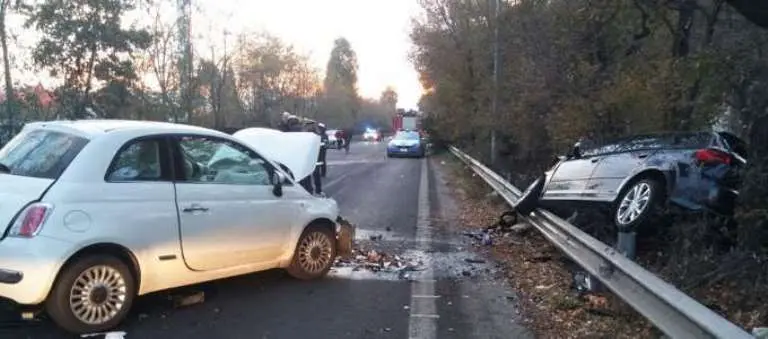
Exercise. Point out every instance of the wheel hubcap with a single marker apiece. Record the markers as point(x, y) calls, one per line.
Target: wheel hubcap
point(634, 203)
point(97, 295)
point(315, 252)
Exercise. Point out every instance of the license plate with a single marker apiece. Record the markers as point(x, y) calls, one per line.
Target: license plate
point(403, 150)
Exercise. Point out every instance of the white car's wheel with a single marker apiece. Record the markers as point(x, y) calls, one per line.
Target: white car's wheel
point(92, 294)
point(314, 254)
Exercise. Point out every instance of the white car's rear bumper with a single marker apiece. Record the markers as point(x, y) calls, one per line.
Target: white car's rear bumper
point(28, 267)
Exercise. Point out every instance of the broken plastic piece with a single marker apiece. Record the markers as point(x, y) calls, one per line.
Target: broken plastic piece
point(108, 335)
point(345, 238)
point(187, 300)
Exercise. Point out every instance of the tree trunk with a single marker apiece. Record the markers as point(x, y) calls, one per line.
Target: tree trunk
point(10, 99)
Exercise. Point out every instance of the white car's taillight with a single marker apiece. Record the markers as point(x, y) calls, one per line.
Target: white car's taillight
point(31, 220)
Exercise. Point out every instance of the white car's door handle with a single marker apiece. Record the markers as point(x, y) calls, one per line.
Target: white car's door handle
point(194, 208)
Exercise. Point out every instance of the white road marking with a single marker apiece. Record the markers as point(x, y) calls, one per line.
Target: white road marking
point(333, 182)
point(423, 320)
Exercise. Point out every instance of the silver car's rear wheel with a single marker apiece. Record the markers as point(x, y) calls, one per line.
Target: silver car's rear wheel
point(636, 204)
point(92, 294)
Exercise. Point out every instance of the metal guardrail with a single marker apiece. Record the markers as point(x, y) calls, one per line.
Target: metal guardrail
point(670, 310)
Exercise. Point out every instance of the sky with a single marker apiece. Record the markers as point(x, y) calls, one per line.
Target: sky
point(377, 30)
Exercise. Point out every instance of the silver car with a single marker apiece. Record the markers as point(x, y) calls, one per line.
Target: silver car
point(637, 175)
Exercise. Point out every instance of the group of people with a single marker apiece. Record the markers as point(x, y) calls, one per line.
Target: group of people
point(292, 123)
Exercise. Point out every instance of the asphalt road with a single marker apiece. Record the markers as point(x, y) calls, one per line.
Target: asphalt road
point(403, 200)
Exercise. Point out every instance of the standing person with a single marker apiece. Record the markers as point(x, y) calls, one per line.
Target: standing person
point(323, 148)
point(339, 138)
point(284, 124)
point(347, 139)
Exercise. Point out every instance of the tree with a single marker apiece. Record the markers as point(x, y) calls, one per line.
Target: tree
point(274, 78)
point(341, 103)
point(161, 60)
point(10, 97)
point(83, 41)
point(389, 100)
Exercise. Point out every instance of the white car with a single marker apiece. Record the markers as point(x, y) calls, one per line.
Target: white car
point(100, 211)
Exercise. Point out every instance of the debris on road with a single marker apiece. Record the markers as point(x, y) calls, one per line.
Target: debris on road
point(377, 261)
point(521, 228)
point(345, 239)
point(188, 299)
point(376, 237)
point(506, 226)
point(107, 335)
point(474, 261)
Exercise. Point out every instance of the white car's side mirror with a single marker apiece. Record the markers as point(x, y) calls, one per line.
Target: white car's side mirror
point(278, 178)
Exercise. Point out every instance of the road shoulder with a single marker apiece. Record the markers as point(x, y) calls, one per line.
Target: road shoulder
point(475, 299)
point(535, 270)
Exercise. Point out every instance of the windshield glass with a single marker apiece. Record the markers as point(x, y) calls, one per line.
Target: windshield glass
point(407, 136)
point(41, 153)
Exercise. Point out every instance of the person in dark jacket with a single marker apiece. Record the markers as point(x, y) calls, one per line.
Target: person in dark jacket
point(339, 138)
point(323, 148)
point(290, 123)
point(347, 139)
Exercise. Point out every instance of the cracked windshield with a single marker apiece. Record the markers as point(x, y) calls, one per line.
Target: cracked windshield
point(416, 169)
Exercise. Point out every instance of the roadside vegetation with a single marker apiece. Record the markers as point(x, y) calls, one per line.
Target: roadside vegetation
point(132, 59)
point(605, 69)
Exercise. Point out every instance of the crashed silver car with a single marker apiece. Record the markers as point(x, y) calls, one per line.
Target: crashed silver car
point(635, 176)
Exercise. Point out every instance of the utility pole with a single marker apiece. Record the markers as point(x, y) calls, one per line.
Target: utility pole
point(185, 59)
point(495, 4)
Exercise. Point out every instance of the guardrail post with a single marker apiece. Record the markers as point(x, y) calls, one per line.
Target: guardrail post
point(627, 243)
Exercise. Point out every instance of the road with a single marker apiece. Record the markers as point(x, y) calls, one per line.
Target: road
point(403, 200)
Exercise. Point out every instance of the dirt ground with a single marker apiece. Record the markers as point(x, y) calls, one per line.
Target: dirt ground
point(539, 273)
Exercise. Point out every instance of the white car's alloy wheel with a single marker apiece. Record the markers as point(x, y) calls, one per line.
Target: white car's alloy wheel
point(315, 253)
point(92, 294)
point(98, 295)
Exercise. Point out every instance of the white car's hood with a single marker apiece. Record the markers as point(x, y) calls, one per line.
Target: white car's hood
point(296, 150)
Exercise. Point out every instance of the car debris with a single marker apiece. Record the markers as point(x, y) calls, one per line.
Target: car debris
point(507, 226)
point(345, 238)
point(474, 261)
point(377, 261)
point(107, 335)
point(185, 300)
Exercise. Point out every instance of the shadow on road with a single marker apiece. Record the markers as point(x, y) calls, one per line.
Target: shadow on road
point(263, 305)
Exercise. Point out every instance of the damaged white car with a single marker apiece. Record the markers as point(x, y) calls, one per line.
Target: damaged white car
point(100, 211)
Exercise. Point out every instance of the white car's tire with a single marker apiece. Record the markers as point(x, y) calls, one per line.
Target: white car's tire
point(92, 294)
point(314, 254)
